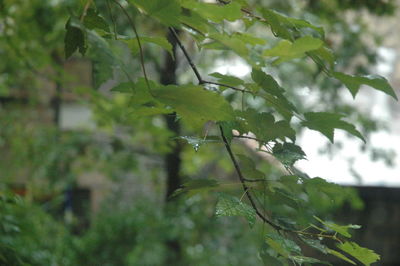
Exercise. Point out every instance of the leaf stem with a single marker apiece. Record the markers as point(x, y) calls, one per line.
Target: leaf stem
point(138, 42)
point(112, 20)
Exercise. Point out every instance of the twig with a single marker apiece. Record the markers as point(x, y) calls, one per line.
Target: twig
point(192, 65)
point(138, 42)
point(243, 181)
point(226, 143)
point(112, 20)
point(86, 7)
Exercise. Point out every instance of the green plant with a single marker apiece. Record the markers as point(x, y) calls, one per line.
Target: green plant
point(284, 203)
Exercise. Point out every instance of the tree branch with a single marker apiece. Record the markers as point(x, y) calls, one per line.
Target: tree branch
point(243, 180)
point(138, 42)
point(186, 54)
point(226, 143)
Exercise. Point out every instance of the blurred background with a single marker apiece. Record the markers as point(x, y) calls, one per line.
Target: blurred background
point(83, 182)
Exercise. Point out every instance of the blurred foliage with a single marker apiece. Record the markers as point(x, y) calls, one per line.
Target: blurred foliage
point(48, 159)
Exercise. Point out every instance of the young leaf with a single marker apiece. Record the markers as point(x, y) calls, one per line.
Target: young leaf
point(287, 50)
point(231, 206)
point(366, 256)
point(194, 104)
point(340, 255)
point(167, 12)
point(195, 186)
point(341, 229)
point(327, 122)
point(353, 83)
point(288, 153)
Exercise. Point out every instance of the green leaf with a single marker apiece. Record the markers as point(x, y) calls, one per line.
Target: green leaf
point(103, 58)
point(194, 104)
point(231, 206)
point(281, 245)
point(159, 41)
point(263, 125)
point(248, 168)
point(249, 39)
point(325, 54)
point(227, 127)
point(353, 83)
point(316, 244)
point(167, 12)
point(75, 38)
point(228, 42)
point(92, 20)
point(288, 153)
point(341, 229)
point(277, 23)
point(316, 186)
point(266, 82)
point(195, 186)
point(327, 122)
point(124, 87)
point(141, 102)
point(288, 50)
point(228, 80)
point(215, 12)
point(366, 256)
point(340, 256)
point(286, 27)
point(280, 104)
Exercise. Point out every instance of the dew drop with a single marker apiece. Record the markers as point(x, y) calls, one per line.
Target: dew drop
point(196, 147)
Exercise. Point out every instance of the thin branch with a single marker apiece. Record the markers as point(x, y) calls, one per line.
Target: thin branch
point(187, 56)
point(112, 20)
point(226, 143)
point(85, 9)
point(138, 42)
point(243, 181)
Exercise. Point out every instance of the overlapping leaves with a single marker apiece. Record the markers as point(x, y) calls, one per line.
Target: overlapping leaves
point(196, 105)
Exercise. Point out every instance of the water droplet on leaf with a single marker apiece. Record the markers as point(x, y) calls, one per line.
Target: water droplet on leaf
point(196, 147)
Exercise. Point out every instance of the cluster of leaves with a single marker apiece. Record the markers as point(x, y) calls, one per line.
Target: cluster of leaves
point(281, 203)
point(29, 236)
